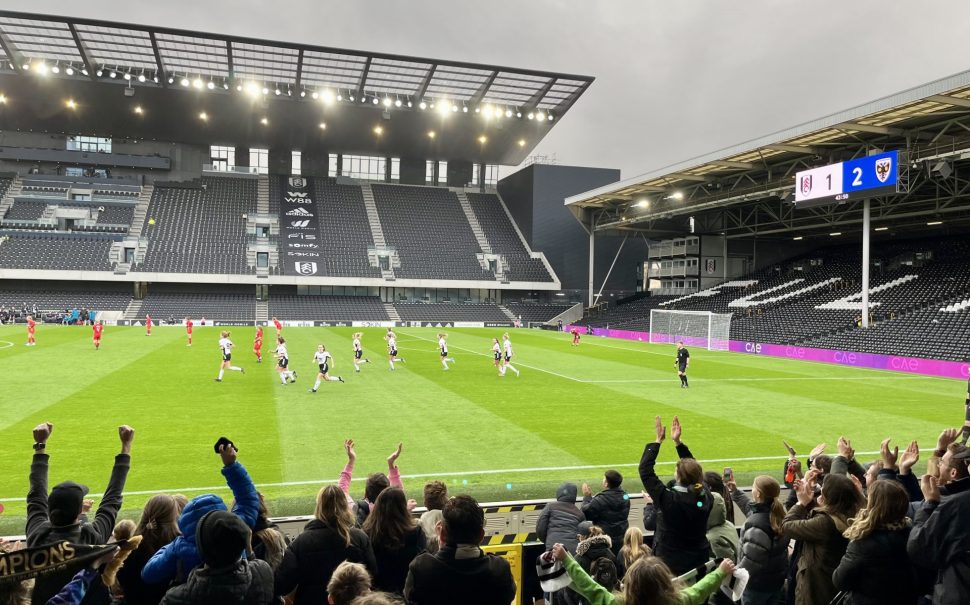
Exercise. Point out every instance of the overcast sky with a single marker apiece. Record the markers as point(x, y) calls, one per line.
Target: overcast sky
point(674, 78)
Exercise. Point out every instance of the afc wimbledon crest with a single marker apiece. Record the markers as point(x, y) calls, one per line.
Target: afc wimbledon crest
point(306, 268)
point(806, 184)
point(297, 182)
point(883, 168)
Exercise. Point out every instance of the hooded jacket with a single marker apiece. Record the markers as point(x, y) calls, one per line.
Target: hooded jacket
point(610, 510)
point(559, 520)
point(822, 548)
point(596, 547)
point(176, 559)
point(721, 533)
point(763, 552)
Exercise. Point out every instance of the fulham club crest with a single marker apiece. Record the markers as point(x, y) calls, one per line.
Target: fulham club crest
point(883, 168)
point(806, 184)
point(297, 182)
point(306, 268)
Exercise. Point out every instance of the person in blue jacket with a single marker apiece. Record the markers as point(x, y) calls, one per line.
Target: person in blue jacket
point(175, 560)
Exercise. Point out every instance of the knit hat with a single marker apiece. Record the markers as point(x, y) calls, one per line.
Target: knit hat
point(584, 528)
point(65, 501)
point(552, 574)
point(221, 537)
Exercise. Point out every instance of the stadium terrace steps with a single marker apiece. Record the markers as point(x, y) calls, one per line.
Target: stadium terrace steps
point(373, 219)
point(508, 313)
point(9, 190)
point(392, 313)
point(133, 310)
point(140, 214)
point(262, 195)
point(519, 263)
point(477, 230)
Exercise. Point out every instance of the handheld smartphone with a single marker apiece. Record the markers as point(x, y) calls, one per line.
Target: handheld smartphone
point(728, 474)
point(224, 441)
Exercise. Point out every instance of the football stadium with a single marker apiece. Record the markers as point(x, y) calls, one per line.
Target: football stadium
point(341, 315)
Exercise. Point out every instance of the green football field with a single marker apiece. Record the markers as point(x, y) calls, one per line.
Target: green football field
point(574, 412)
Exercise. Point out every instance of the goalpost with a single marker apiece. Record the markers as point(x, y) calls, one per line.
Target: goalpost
point(696, 328)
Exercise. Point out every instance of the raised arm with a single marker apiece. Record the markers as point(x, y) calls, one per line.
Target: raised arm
point(648, 475)
point(242, 486)
point(104, 519)
point(38, 513)
point(347, 474)
point(393, 474)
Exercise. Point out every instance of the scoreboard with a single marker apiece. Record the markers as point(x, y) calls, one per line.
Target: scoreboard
point(856, 179)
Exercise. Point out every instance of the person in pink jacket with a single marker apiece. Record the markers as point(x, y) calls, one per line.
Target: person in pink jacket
point(376, 482)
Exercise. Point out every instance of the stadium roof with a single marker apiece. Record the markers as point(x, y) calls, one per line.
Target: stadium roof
point(745, 190)
point(147, 59)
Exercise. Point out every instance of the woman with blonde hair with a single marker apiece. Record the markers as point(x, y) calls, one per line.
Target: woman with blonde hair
point(326, 541)
point(358, 352)
point(633, 547)
point(647, 582)
point(157, 527)
point(764, 547)
point(876, 568)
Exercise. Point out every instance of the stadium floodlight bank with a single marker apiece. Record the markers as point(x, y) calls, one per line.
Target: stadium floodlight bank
point(695, 328)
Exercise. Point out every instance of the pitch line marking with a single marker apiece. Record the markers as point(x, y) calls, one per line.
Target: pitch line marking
point(762, 379)
point(537, 469)
point(5, 344)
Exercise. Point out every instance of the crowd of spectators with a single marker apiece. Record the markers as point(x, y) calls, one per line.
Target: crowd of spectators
point(851, 532)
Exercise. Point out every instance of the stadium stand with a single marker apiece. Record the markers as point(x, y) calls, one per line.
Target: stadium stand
point(450, 312)
point(199, 227)
point(536, 312)
point(99, 297)
point(55, 251)
point(503, 239)
point(26, 210)
point(431, 234)
point(326, 308)
point(116, 215)
point(226, 306)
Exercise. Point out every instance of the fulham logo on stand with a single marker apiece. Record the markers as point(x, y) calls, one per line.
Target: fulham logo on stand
point(306, 268)
point(297, 182)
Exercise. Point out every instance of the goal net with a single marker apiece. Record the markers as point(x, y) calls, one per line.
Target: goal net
point(695, 328)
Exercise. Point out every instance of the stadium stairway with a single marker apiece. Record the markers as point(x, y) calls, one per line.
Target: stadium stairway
point(392, 312)
point(140, 215)
point(13, 190)
point(133, 310)
point(509, 314)
point(262, 195)
point(262, 311)
point(466, 207)
point(373, 219)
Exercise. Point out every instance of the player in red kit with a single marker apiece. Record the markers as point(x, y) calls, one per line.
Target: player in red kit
point(279, 327)
point(188, 329)
point(258, 344)
point(148, 325)
point(31, 328)
point(97, 328)
point(575, 332)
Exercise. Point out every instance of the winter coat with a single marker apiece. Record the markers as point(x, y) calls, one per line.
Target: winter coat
point(822, 549)
point(940, 540)
point(597, 595)
point(310, 560)
point(455, 575)
point(610, 510)
point(559, 520)
point(721, 533)
point(877, 571)
point(41, 531)
point(596, 547)
point(393, 565)
point(244, 583)
point(175, 560)
point(763, 552)
point(680, 538)
point(136, 590)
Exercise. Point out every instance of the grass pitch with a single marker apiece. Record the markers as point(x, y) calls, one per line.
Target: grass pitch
point(574, 412)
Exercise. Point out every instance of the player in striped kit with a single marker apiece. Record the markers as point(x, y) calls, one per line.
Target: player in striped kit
point(507, 346)
point(358, 352)
point(443, 348)
point(325, 361)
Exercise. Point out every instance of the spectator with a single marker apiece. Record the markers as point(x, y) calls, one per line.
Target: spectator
point(157, 527)
point(327, 540)
point(876, 569)
point(123, 530)
point(633, 548)
point(764, 548)
point(559, 520)
point(460, 572)
point(269, 543)
point(225, 577)
point(349, 581)
point(376, 482)
point(435, 498)
point(940, 541)
point(55, 517)
point(377, 598)
point(683, 509)
point(819, 529)
point(648, 582)
point(609, 509)
point(593, 546)
point(181, 500)
point(396, 538)
point(715, 483)
point(176, 559)
point(947, 465)
point(722, 535)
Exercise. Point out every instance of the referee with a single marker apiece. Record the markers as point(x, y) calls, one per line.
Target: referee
point(683, 360)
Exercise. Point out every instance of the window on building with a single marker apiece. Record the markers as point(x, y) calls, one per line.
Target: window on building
point(442, 172)
point(222, 157)
point(475, 168)
point(395, 170)
point(259, 160)
point(296, 163)
point(429, 173)
point(333, 167)
point(364, 167)
point(74, 171)
point(95, 144)
point(491, 174)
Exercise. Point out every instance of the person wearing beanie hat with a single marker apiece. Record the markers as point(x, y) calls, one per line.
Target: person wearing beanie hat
point(182, 555)
point(56, 516)
point(225, 577)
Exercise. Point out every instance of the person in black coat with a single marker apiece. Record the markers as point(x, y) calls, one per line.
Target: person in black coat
point(682, 510)
point(609, 509)
point(764, 549)
point(875, 569)
point(559, 520)
point(57, 517)
point(460, 572)
point(327, 541)
point(396, 538)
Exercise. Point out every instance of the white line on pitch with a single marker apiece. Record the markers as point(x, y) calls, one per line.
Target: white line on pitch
point(763, 379)
point(506, 471)
point(488, 355)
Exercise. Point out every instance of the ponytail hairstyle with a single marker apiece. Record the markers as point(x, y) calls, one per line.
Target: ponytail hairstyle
point(769, 492)
point(690, 474)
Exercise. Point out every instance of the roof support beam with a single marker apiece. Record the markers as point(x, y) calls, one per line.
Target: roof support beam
point(299, 69)
point(13, 53)
point(84, 51)
point(230, 63)
point(363, 79)
point(794, 149)
point(423, 87)
point(733, 164)
point(955, 101)
point(886, 130)
point(162, 72)
point(476, 98)
point(566, 103)
point(535, 99)
point(688, 177)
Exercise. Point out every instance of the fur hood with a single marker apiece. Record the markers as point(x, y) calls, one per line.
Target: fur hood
point(594, 542)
